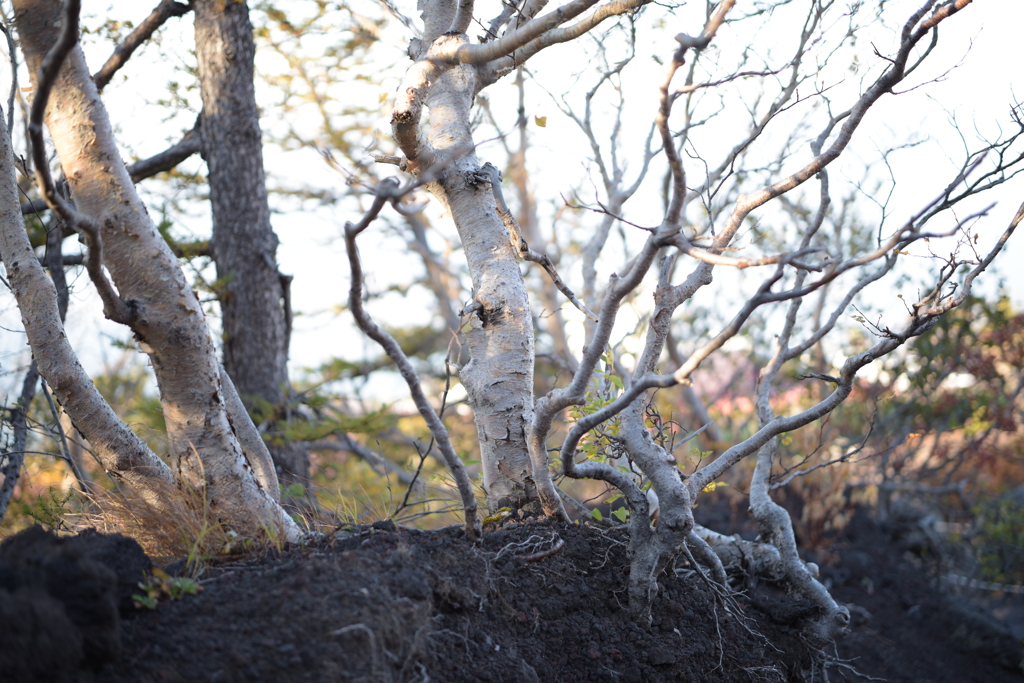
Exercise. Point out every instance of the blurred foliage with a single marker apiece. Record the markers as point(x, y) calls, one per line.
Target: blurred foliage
point(1000, 538)
point(329, 421)
point(321, 54)
point(128, 386)
point(950, 410)
point(943, 418)
point(51, 508)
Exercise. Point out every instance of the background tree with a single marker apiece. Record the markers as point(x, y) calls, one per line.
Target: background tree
point(254, 297)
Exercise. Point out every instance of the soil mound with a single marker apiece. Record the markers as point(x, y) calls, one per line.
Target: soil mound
point(535, 601)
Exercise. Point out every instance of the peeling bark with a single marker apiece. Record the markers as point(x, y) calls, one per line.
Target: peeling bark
point(499, 377)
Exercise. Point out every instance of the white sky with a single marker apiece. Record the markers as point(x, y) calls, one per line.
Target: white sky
point(984, 37)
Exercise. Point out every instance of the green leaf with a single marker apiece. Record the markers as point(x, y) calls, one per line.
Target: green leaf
point(597, 515)
point(144, 601)
point(621, 513)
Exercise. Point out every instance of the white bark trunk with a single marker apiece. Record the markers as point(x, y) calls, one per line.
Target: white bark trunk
point(122, 453)
point(169, 323)
point(499, 377)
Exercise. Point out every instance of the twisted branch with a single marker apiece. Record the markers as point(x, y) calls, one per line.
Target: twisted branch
point(389, 191)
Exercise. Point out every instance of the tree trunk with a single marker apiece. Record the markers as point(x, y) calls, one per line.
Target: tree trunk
point(167, 319)
point(499, 376)
point(255, 324)
point(120, 450)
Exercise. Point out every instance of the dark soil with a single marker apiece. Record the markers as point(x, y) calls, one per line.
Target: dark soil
point(385, 604)
point(907, 629)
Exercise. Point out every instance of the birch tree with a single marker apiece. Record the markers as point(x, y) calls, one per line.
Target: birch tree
point(705, 212)
point(214, 447)
point(599, 419)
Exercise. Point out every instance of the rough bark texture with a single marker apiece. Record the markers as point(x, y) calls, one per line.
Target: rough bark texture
point(499, 378)
point(167, 319)
point(255, 325)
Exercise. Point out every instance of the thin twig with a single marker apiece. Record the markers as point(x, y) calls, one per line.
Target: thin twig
point(389, 190)
point(83, 482)
point(493, 175)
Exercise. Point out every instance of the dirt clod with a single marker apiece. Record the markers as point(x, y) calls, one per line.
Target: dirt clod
point(48, 580)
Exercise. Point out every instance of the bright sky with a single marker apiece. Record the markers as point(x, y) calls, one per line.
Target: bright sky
point(980, 43)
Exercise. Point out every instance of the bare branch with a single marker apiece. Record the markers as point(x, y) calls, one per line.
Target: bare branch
point(157, 18)
point(521, 247)
point(943, 12)
point(554, 36)
point(710, 28)
point(190, 144)
point(925, 314)
point(687, 247)
point(675, 164)
point(388, 190)
point(514, 40)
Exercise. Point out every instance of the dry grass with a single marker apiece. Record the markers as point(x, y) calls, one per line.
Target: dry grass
point(181, 527)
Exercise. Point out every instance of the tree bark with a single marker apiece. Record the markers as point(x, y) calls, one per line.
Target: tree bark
point(499, 377)
point(167, 318)
point(255, 325)
point(118, 448)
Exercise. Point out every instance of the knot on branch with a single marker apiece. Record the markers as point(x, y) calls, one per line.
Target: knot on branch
point(484, 177)
point(401, 116)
